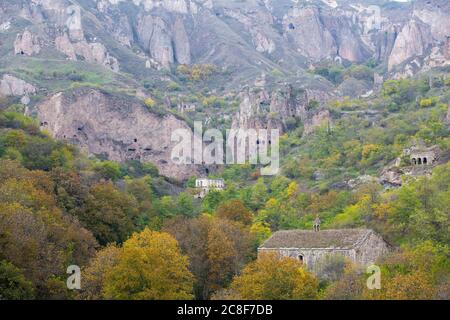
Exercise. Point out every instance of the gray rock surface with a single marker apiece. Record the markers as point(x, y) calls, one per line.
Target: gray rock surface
point(12, 86)
point(26, 43)
point(113, 126)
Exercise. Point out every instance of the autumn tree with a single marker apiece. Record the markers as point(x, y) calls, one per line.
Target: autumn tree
point(140, 189)
point(13, 284)
point(36, 236)
point(349, 286)
point(274, 278)
point(234, 210)
point(110, 214)
point(150, 266)
point(69, 189)
point(94, 274)
point(221, 254)
point(414, 273)
point(260, 232)
point(217, 250)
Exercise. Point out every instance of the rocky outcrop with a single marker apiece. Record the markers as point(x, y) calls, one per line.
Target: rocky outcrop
point(256, 23)
point(281, 108)
point(254, 112)
point(436, 14)
point(304, 24)
point(155, 37)
point(12, 86)
point(27, 44)
point(413, 40)
point(391, 177)
point(181, 43)
point(116, 127)
point(91, 52)
point(64, 45)
point(166, 42)
point(242, 38)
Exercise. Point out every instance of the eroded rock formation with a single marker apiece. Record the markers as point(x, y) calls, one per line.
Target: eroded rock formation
point(12, 86)
point(115, 127)
point(261, 109)
point(27, 43)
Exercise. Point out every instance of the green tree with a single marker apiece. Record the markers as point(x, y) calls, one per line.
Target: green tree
point(108, 170)
point(13, 284)
point(110, 214)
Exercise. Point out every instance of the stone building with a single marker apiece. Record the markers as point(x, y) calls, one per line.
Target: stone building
point(362, 246)
point(204, 185)
point(186, 107)
point(423, 156)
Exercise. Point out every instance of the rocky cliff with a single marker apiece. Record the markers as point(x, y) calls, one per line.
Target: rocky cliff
point(12, 86)
point(250, 36)
point(114, 127)
point(143, 42)
point(281, 108)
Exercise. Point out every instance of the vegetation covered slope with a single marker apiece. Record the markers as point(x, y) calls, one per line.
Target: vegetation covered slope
point(121, 222)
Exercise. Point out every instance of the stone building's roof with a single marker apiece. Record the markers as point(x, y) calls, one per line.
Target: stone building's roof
point(308, 239)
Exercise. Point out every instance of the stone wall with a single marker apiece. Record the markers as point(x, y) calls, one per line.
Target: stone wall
point(372, 247)
point(364, 253)
point(311, 256)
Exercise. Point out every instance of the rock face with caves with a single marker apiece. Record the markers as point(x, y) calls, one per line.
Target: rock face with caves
point(281, 108)
point(114, 127)
point(149, 39)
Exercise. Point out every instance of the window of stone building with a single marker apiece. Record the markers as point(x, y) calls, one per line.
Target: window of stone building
point(300, 258)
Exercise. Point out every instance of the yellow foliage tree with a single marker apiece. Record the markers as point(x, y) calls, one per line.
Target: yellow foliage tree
point(261, 231)
point(368, 149)
point(149, 102)
point(412, 286)
point(292, 189)
point(151, 267)
point(274, 278)
point(94, 274)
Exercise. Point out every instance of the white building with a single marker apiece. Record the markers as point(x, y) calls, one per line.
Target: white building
point(204, 185)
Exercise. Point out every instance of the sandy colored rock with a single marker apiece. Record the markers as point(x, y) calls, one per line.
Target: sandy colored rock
point(26, 43)
point(12, 86)
point(117, 127)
